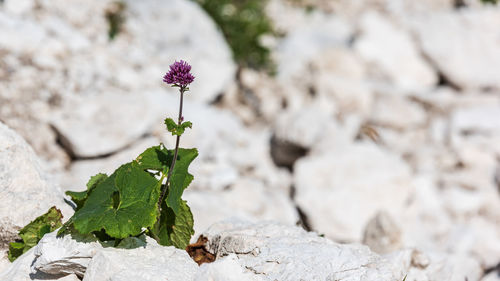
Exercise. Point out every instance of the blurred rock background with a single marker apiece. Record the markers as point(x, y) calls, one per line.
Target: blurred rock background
point(374, 121)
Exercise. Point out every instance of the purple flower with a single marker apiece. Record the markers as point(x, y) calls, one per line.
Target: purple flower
point(179, 74)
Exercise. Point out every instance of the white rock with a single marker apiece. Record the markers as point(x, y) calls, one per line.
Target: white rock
point(152, 263)
point(354, 9)
point(304, 127)
point(18, 7)
point(392, 54)
point(245, 199)
point(424, 223)
point(478, 239)
point(4, 261)
point(20, 270)
point(449, 267)
point(78, 174)
point(256, 95)
point(467, 63)
point(319, 33)
point(382, 234)
point(105, 123)
point(477, 163)
point(226, 269)
point(70, 277)
point(436, 265)
point(402, 140)
point(72, 38)
point(337, 189)
point(279, 252)
point(481, 119)
point(492, 276)
point(398, 113)
point(17, 30)
point(182, 30)
point(339, 74)
point(63, 255)
point(24, 186)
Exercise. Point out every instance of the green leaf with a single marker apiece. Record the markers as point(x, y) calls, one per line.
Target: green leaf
point(180, 178)
point(16, 249)
point(182, 127)
point(171, 125)
point(80, 197)
point(159, 158)
point(156, 158)
point(43, 230)
point(34, 231)
point(175, 229)
point(175, 128)
point(122, 204)
point(69, 228)
point(132, 242)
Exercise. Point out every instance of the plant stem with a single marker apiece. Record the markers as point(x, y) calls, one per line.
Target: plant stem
point(170, 170)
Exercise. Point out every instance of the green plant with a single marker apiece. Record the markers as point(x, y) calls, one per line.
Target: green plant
point(142, 197)
point(243, 22)
point(490, 1)
point(34, 231)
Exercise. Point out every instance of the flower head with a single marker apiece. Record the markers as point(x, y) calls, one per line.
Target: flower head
point(179, 74)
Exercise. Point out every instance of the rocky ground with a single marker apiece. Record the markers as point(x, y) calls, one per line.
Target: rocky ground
point(381, 127)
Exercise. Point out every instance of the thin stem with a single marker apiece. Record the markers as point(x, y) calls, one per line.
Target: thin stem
point(179, 121)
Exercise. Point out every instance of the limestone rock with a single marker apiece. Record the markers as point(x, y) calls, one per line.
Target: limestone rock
point(68, 256)
point(392, 54)
point(382, 234)
point(24, 187)
point(434, 265)
point(150, 263)
point(103, 124)
point(339, 74)
point(476, 239)
point(480, 119)
point(453, 267)
point(278, 252)
point(63, 255)
point(20, 270)
point(317, 34)
point(245, 199)
point(342, 188)
point(17, 31)
point(397, 113)
point(304, 127)
point(492, 276)
point(466, 63)
point(226, 269)
point(78, 174)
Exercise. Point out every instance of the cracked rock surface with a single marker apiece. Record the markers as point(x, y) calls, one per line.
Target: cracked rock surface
point(279, 252)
